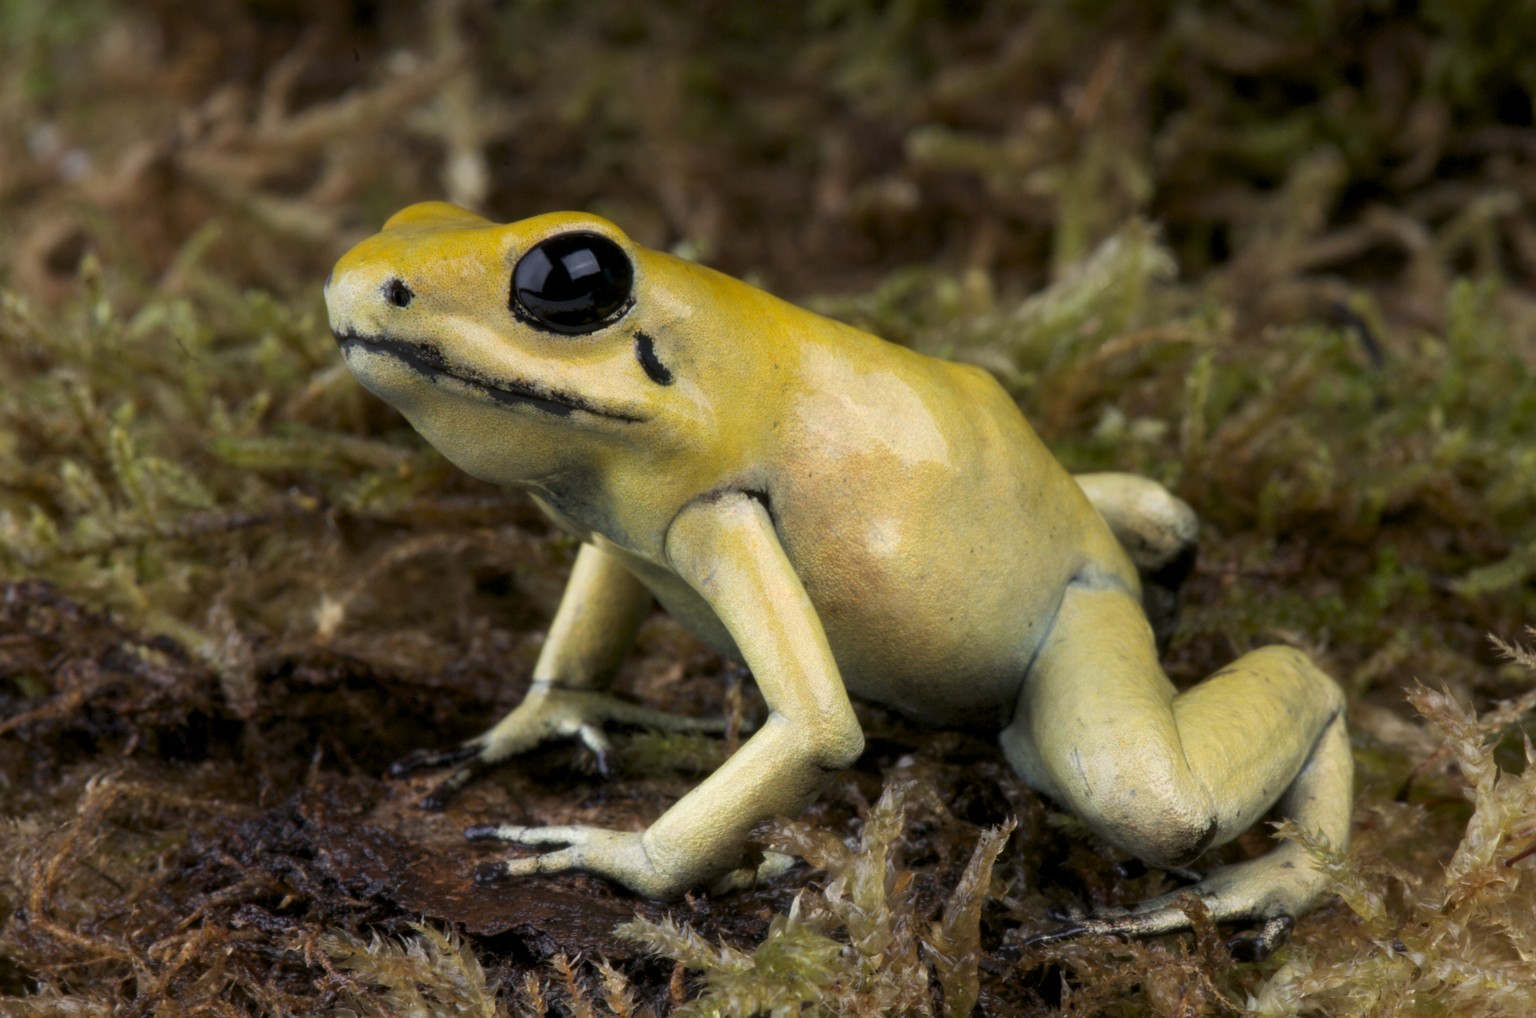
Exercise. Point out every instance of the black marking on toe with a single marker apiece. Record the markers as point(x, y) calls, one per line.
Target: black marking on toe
point(1062, 913)
point(433, 801)
point(422, 759)
point(645, 353)
point(1256, 945)
point(427, 360)
point(1055, 936)
point(488, 874)
point(480, 832)
point(439, 796)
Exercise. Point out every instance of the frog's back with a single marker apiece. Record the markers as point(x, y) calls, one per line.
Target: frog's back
point(933, 530)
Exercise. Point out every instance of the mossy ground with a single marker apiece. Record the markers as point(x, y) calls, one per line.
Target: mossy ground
point(1279, 256)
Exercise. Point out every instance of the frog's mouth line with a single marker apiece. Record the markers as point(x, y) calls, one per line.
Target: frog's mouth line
point(428, 361)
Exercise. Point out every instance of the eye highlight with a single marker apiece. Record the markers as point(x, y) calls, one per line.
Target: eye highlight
point(572, 283)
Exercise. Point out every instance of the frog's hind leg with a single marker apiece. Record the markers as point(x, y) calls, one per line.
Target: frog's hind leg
point(1165, 775)
point(1159, 532)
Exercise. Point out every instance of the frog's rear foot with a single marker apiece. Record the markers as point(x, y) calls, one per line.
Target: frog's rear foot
point(1264, 894)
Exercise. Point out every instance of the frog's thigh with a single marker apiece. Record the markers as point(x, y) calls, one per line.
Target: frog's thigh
point(1165, 775)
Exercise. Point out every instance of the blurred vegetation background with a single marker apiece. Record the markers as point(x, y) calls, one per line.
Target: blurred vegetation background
point(1281, 256)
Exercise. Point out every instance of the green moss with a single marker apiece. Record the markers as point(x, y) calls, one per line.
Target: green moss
point(861, 943)
point(432, 972)
point(1459, 938)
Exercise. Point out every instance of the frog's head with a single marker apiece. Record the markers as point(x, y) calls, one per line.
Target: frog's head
point(537, 349)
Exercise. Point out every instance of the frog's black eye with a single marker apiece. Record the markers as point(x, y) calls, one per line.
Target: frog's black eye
point(572, 283)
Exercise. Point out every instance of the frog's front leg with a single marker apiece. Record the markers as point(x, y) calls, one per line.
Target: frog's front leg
point(1165, 775)
point(593, 629)
point(726, 549)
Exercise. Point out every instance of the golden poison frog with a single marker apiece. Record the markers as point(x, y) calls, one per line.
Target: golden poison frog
point(846, 517)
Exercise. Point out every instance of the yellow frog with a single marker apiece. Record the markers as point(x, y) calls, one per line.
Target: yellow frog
point(844, 516)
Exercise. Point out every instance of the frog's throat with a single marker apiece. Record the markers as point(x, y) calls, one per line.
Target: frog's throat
point(429, 362)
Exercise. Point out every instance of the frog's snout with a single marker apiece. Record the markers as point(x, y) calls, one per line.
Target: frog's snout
point(358, 299)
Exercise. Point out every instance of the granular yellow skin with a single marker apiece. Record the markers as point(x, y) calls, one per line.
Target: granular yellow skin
point(842, 515)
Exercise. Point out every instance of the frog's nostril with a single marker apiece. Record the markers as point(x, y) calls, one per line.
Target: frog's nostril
point(397, 293)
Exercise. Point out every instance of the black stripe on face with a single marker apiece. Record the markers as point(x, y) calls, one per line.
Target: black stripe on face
point(645, 353)
point(428, 361)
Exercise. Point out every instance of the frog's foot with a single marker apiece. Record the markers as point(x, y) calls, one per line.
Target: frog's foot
point(1269, 892)
point(619, 856)
point(547, 713)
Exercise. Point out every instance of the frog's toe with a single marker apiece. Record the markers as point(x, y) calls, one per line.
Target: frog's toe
point(514, 833)
point(575, 835)
point(1256, 945)
point(488, 874)
point(596, 742)
point(618, 855)
point(1110, 922)
point(431, 759)
point(528, 866)
point(558, 861)
point(1067, 912)
point(456, 779)
point(1066, 931)
point(467, 760)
